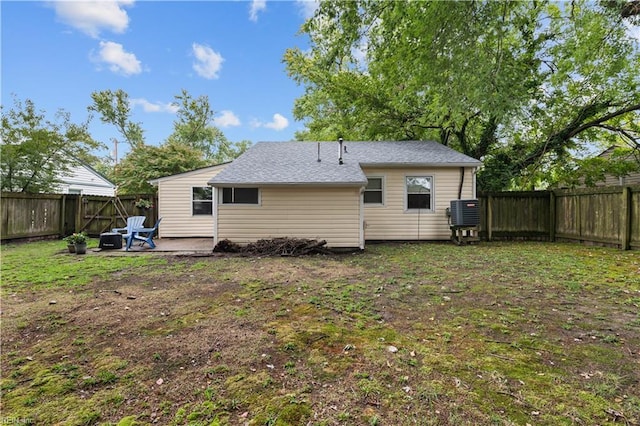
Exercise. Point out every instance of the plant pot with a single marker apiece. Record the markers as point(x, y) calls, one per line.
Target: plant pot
point(81, 248)
point(71, 248)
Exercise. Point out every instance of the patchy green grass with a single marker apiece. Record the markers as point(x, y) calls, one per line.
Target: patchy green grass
point(490, 334)
point(48, 264)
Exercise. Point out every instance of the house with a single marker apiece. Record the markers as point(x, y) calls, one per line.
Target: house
point(185, 203)
point(344, 193)
point(610, 180)
point(85, 180)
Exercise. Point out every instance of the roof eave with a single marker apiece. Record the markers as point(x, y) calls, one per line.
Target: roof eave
point(404, 165)
point(284, 184)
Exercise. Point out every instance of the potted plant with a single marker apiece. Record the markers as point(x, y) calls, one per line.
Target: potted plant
point(69, 239)
point(79, 242)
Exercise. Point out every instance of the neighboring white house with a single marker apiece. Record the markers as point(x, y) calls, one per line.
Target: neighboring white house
point(83, 179)
point(185, 203)
point(342, 193)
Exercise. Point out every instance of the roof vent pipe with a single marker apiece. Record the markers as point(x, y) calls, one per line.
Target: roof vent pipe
point(319, 160)
point(340, 147)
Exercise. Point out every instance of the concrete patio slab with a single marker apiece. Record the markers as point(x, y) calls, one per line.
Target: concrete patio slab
point(171, 245)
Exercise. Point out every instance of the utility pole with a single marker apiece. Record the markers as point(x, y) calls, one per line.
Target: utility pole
point(115, 151)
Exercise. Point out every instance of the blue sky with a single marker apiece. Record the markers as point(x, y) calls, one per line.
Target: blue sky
point(58, 53)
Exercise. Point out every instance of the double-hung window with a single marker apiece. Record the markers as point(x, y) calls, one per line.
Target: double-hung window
point(419, 192)
point(240, 196)
point(202, 200)
point(373, 192)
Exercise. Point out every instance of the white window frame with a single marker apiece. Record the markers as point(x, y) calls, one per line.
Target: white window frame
point(432, 198)
point(383, 185)
point(193, 201)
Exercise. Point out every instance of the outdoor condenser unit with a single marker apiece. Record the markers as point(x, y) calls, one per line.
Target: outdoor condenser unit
point(465, 213)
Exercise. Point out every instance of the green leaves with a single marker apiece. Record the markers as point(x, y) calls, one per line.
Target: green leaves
point(151, 162)
point(114, 108)
point(37, 151)
point(194, 143)
point(518, 84)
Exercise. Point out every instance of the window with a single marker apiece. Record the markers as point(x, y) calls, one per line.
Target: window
point(202, 203)
point(239, 195)
point(373, 191)
point(419, 192)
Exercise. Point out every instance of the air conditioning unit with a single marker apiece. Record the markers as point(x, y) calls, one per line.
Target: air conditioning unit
point(465, 212)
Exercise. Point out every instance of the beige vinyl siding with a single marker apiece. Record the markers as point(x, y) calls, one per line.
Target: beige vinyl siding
point(610, 180)
point(174, 204)
point(322, 213)
point(392, 221)
point(632, 179)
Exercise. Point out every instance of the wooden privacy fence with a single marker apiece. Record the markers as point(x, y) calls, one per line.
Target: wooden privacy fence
point(607, 215)
point(604, 215)
point(50, 215)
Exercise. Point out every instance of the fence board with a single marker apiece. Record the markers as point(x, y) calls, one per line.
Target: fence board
point(516, 215)
point(598, 215)
point(634, 221)
point(24, 216)
point(45, 215)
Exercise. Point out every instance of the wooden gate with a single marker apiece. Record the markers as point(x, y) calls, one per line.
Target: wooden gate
point(98, 214)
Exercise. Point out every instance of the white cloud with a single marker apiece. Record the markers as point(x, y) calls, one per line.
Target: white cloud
point(118, 60)
point(154, 107)
point(91, 17)
point(279, 122)
point(208, 62)
point(226, 119)
point(308, 7)
point(256, 6)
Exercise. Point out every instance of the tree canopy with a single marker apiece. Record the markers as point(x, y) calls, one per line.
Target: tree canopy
point(193, 128)
point(195, 141)
point(523, 86)
point(37, 151)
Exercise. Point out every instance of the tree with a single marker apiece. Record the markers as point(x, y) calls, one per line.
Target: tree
point(37, 151)
point(193, 128)
point(151, 162)
point(521, 85)
point(114, 108)
point(194, 143)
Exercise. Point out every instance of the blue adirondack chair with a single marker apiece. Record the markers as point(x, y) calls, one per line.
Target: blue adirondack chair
point(143, 235)
point(133, 222)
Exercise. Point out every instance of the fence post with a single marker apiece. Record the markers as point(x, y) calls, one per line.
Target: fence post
point(489, 217)
point(63, 214)
point(552, 216)
point(625, 219)
point(78, 218)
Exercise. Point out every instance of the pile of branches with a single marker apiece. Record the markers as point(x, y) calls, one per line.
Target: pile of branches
point(275, 247)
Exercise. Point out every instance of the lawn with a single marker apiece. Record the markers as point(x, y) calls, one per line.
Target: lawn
point(402, 334)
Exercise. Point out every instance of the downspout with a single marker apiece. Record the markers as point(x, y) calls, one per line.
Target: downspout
point(361, 218)
point(473, 187)
point(215, 216)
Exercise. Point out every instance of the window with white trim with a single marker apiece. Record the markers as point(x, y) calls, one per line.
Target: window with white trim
point(202, 200)
point(419, 192)
point(373, 192)
point(240, 196)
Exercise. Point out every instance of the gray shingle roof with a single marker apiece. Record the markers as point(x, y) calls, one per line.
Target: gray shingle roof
point(287, 163)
